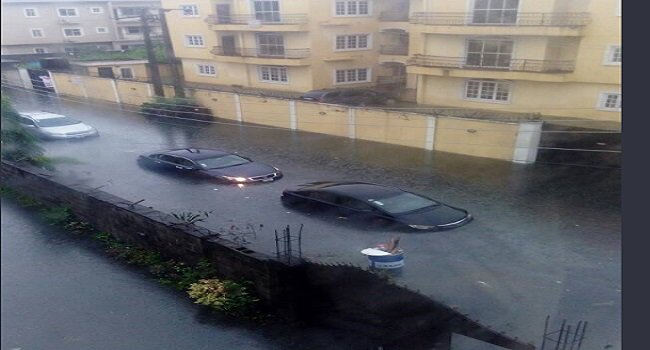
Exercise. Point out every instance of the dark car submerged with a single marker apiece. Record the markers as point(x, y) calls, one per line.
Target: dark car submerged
point(209, 163)
point(368, 200)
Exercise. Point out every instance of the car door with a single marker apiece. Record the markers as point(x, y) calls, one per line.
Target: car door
point(169, 162)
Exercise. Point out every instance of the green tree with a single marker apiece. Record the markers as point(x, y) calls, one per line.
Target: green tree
point(18, 145)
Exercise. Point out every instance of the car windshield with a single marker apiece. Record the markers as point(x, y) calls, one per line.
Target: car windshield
point(402, 203)
point(222, 162)
point(59, 121)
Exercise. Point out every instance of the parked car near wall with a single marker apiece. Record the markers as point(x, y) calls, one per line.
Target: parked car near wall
point(351, 97)
point(53, 126)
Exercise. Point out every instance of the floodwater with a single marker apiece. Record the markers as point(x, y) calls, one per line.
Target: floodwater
point(546, 239)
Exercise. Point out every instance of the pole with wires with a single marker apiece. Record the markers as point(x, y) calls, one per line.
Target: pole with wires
point(151, 55)
point(179, 91)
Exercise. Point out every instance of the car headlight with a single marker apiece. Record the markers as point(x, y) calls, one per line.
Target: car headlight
point(421, 227)
point(235, 178)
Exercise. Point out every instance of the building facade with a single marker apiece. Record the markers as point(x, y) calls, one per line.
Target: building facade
point(556, 57)
point(54, 26)
point(286, 44)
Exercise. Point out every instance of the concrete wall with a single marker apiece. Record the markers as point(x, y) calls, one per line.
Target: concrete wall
point(481, 138)
point(341, 296)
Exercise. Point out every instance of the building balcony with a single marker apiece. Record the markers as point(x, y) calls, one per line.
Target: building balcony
point(398, 50)
point(271, 22)
point(254, 52)
point(288, 57)
point(391, 80)
point(516, 69)
point(515, 64)
point(390, 16)
point(523, 23)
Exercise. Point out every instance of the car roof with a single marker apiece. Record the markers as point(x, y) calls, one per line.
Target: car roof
point(42, 115)
point(358, 190)
point(193, 153)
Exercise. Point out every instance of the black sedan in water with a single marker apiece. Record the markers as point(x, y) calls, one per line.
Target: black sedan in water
point(378, 201)
point(209, 163)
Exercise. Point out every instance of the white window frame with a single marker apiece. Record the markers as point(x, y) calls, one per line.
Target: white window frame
point(266, 14)
point(205, 67)
point(609, 53)
point(346, 8)
point(33, 9)
point(122, 14)
point(126, 30)
point(347, 42)
point(483, 52)
point(40, 48)
point(31, 32)
point(260, 72)
point(81, 31)
point(194, 7)
point(480, 88)
point(368, 76)
point(188, 43)
point(76, 11)
point(97, 30)
point(122, 69)
point(472, 7)
point(619, 8)
point(91, 10)
point(602, 98)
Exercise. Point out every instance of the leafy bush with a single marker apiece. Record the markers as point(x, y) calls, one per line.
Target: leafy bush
point(18, 145)
point(227, 296)
point(176, 108)
point(189, 217)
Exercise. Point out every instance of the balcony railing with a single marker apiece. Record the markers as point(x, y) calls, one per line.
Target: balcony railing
point(401, 50)
point(266, 18)
point(262, 53)
point(391, 80)
point(390, 16)
point(518, 65)
point(544, 19)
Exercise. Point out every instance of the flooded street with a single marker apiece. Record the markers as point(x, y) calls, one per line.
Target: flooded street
point(546, 239)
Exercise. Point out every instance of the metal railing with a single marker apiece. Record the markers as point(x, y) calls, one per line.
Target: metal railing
point(390, 16)
point(544, 19)
point(267, 18)
point(402, 50)
point(520, 65)
point(391, 79)
point(263, 53)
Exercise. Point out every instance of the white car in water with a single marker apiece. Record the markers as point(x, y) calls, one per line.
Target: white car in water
point(55, 126)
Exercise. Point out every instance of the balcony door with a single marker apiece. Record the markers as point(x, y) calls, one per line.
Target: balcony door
point(495, 12)
point(270, 44)
point(489, 53)
point(223, 13)
point(228, 45)
point(267, 11)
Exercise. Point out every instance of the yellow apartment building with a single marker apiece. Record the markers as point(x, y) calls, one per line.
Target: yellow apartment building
point(290, 45)
point(556, 57)
point(560, 58)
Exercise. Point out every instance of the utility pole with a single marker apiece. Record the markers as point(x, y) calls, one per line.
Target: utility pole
point(179, 91)
point(151, 55)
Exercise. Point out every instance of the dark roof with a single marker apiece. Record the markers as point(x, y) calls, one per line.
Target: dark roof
point(358, 190)
point(195, 153)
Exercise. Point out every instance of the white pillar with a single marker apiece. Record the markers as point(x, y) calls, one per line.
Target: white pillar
point(24, 77)
point(150, 90)
point(293, 123)
point(431, 133)
point(56, 91)
point(240, 116)
point(115, 92)
point(352, 123)
point(527, 144)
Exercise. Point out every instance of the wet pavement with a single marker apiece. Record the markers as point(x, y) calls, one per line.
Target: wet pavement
point(546, 239)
